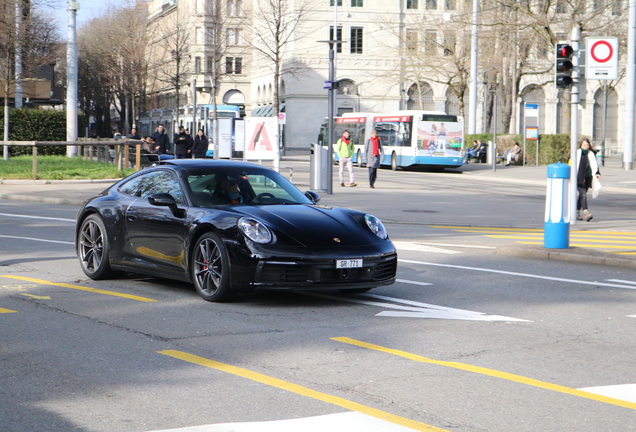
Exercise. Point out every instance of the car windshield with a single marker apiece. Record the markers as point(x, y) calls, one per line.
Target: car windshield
point(256, 186)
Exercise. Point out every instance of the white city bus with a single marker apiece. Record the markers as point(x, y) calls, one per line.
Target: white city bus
point(410, 138)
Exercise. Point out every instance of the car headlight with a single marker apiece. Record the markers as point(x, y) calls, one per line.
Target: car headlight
point(376, 226)
point(255, 230)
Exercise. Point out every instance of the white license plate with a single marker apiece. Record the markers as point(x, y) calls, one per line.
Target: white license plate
point(349, 263)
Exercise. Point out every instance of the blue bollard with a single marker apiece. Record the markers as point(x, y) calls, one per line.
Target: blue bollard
point(556, 229)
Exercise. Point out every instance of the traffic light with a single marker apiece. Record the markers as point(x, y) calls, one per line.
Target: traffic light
point(563, 65)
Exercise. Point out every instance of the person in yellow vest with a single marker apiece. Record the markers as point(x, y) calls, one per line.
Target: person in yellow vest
point(345, 150)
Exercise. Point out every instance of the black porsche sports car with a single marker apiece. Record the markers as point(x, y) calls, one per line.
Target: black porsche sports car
point(229, 228)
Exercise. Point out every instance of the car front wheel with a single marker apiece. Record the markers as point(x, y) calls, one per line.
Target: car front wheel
point(211, 268)
point(93, 248)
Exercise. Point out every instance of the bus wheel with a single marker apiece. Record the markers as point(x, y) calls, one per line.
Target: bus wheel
point(394, 165)
point(359, 159)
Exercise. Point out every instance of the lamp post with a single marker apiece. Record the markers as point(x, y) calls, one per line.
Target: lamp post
point(331, 85)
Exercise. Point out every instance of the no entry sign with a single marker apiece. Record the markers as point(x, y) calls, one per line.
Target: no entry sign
point(601, 61)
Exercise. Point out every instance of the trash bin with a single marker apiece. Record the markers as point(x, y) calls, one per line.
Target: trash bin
point(320, 158)
point(556, 229)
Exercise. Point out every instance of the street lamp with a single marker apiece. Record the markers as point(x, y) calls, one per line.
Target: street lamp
point(332, 86)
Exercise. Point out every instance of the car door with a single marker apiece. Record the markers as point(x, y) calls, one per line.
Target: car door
point(157, 234)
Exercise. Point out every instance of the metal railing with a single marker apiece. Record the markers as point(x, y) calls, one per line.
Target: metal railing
point(121, 154)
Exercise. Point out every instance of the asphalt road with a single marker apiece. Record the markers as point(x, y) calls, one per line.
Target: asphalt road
point(466, 340)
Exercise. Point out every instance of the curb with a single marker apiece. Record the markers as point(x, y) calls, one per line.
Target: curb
point(573, 254)
point(45, 182)
point(47, 200)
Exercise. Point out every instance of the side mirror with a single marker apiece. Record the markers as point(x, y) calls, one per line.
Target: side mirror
point(162, 200)
point(166, 200)
point(313, 196)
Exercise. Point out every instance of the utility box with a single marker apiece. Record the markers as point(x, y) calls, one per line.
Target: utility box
point(320, 158)
point(556, 228)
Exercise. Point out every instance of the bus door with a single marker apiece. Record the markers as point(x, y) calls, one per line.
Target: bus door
point(395, 133)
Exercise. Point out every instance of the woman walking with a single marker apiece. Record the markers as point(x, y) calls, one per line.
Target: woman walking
point(587, 171)
point(373, 153)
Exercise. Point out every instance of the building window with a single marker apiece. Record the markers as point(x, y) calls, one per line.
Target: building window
point(331, 2)
point(431, 4)
point(449, 44)
point(210, 64)
point(617, 7)
point(233, 65)
point(234, 36)
point(356, 3)
point(411, 4)
point(197, 65)
point(356, 40)
point(450, 4)
point(209, 35)
point(430, 42)
point(561, 6)
point(234, 7)
point(411, 40)
point(338, 37)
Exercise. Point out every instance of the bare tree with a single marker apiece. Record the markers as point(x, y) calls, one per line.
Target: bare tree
point(113, 67)
point(276, 24)
point(34, 40)
point(172, 64)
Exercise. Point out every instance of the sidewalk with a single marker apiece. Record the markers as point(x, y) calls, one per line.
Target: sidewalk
point(614, 179)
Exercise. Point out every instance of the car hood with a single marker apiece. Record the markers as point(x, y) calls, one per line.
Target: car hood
point(313, 225)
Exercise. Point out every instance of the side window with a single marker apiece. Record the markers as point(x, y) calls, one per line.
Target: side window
point(131, 187)
point(160, 182)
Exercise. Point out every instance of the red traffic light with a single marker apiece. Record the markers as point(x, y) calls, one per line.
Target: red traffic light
point(564, 51)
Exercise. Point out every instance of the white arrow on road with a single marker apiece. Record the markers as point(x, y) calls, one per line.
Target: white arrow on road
point(412, 309)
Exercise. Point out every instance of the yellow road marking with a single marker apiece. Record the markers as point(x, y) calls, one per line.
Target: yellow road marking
point(579, 239)
point(82, 288)
point(486, 228)
point(36, 296)
point(595, 246)
point(304, 391)
point(527, 230)
point(7, 311)
point(490, 372)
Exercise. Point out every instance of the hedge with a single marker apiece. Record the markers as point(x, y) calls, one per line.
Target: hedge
point(32, 124)
point(552, 148)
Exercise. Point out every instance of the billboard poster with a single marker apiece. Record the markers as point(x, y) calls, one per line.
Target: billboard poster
point(239, 135)
point(225, 138)
point(261, 138)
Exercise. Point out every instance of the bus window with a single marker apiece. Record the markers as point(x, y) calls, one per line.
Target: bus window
point(396, 134)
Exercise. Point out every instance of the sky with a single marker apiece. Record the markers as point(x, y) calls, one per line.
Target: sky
point(89, 9)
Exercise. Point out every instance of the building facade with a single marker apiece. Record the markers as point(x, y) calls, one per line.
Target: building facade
point(404, 54)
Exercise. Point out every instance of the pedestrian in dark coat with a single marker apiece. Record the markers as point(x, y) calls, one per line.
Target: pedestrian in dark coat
point(200, 145)
point(162, 143)
point(182, 144)
point(373, 153)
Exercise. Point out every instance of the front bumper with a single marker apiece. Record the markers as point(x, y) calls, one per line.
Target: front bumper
point(318, 274)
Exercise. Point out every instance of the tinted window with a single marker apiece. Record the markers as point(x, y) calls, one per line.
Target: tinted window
point(154, 182)
point(208, 188)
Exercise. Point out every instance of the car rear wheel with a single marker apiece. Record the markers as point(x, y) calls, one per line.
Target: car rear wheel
point(359, 159)
point(93, 248)
point(211, 268)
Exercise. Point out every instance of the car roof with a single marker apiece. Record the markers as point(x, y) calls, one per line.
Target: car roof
point(197, 164)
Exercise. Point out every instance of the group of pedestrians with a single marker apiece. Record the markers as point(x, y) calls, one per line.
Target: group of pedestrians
point(373, 152)
point(184, 145)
